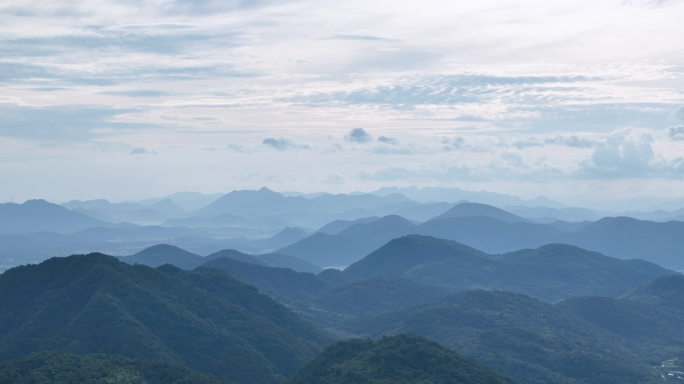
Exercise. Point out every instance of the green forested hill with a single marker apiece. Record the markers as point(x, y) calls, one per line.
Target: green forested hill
point(667, 291)
point(204, 320)
point(64, 368)
point(376, 295)
point(283, 281)
point(521, 337)
point(398, 359)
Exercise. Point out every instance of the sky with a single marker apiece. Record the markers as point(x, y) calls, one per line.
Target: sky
point(130, 99)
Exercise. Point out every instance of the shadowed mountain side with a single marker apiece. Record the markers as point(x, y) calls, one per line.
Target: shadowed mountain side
point(337, 226)
point(400, 359)
point(524, 338)
point(624, 238)
point(633, 320)
point(350, 244)
point(285, 261)
point(627, 238)
point(235, 255)
point(423, 212)
point(204, 320)
point(60, 367)
point(224, 220)
point(285, 237)
point(377, 295)
point(569, 227)
point(325, 250)
point(550, 273)
point(39, 215)
point(282, 281)
point(565, 214)
point(489, 234)
point(474, 209)
point(401, 255)
point(481, 232)
point(666, 291)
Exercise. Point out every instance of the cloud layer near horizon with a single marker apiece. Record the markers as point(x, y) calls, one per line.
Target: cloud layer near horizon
point(514, 97)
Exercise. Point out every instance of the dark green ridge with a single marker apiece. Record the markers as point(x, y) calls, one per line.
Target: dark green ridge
point(64, 368)
point(524, 338)
point(204, 320)
point(399, 359)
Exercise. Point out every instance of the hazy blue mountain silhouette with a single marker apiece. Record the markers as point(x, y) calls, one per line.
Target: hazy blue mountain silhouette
point(291, 262)
point(188, 201)
point(350, 244)
point(475, 209)
point(425, 212)
point(223, 220)
point(481, 232)
point(337, 226)
point(450, 195)
point(128, 212)
point(39, 215)
point(252, 203)
point(572, 214)
point(624, 237)
point(285, 237)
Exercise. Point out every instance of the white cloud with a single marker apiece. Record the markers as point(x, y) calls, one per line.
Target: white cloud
point(626, 154)
point(676, 133)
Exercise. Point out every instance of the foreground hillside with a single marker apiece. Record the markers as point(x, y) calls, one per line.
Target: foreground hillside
point(523, 338)
point(398, 359)
point(204, 320)
point(65, 368)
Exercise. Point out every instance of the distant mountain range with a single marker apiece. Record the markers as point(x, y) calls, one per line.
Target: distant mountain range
point(451, 195)
point(161, 254)
point(35, 230)
point(493, 230)
point(40, 216)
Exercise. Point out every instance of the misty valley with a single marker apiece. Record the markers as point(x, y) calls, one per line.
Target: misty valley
point(393, 286)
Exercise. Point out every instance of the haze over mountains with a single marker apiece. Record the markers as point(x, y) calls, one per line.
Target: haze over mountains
point(241, 290)
point(328, 230)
